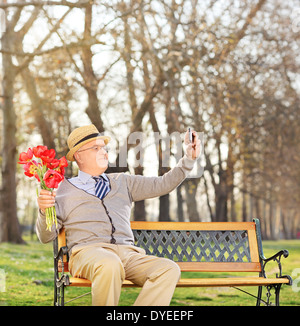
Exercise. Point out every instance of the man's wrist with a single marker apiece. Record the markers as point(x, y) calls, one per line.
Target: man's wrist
point(190, 157)
point(188, 162)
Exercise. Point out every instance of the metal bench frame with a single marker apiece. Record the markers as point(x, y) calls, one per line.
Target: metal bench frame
point(195, 247)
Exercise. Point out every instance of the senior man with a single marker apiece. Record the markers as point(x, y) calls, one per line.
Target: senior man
point(94, 208)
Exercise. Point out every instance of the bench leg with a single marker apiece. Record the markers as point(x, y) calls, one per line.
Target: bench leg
point(55, 293)
point(277, 288)
point(259, 292)
point(59, 292)
point(59, 295)
point(59, 289)
point(277, 292)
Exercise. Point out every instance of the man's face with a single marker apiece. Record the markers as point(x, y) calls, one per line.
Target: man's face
point(92, 157)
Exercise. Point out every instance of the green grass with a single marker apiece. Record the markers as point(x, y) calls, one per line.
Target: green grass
point(29, 280)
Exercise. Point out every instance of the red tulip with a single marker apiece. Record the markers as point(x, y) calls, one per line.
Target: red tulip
point(39, 150)
point(53, 163)
point(52, 178)
point(30, 169)
point(63, 162)
point(25, 156)
point(58, 165)
point(60, 170)
point(48, 155)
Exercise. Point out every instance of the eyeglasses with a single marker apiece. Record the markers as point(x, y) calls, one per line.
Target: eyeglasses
point(95, 148)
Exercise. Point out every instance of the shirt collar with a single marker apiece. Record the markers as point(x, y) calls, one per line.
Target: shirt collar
point(85, 177)
point(104, 176)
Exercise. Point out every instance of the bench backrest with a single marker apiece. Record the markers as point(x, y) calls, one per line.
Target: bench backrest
point(197, 246)
point(202, 246)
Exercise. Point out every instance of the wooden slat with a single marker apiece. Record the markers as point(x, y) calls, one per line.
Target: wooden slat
point(207, 226)
point(219, 267)
point(253, 246)
point(231, 281)
point(74, 281)
point(61, 238)
point(201, 282)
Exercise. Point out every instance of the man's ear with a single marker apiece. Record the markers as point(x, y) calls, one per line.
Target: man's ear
point(77, 158)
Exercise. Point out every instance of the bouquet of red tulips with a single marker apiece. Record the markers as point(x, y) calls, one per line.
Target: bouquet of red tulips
point(48, 170)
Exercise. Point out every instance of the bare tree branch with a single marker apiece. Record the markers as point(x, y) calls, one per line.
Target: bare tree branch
point(79, 4)
point(56, 26)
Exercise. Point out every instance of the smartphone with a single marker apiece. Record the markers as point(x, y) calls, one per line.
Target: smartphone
point(191, 136)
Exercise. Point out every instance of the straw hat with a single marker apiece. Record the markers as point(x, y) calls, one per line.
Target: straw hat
point(80, 136)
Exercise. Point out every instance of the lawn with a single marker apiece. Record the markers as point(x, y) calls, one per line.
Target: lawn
point(29, 280)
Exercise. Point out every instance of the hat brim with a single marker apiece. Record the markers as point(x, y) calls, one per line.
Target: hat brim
point(70, 154)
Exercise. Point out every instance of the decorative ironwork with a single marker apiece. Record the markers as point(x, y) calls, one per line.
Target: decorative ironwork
point(200, 246)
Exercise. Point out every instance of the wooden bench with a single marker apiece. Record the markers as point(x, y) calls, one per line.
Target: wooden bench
point(195, 247)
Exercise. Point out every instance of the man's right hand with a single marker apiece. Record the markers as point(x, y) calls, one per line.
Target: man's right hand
point(46, 199)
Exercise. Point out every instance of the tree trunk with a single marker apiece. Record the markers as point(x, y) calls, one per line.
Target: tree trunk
point(232, 207)
point(285, 224)
point(264, 227)
point(37, 104)
point(221, 205)
point(272, 220)
point(257, 209)
point(139, 211)
point(90, 79)
point(212, 215)
point(164, 208)
point(190, 190)
point(180, 214)
point(244, 207)
point(10, 229)
point(221, 197)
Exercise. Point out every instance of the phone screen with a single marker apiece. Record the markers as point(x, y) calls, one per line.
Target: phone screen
point(191, 136)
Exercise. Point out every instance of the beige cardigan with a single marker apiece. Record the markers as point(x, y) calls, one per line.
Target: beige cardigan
point(87, 219)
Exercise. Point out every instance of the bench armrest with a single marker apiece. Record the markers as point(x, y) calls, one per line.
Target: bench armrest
point(277, 259)
point(62, 251)
point(64, 278)
point(277, 256)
